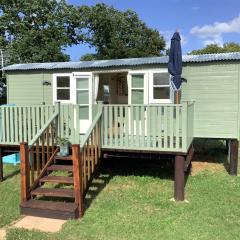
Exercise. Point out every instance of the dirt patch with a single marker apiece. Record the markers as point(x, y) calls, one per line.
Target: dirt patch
point(198, 167)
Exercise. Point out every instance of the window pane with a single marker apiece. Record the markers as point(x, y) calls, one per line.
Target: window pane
point(137, 97)
point(63, 81)
point(63, 94)
point(161, 79)
point(161, 93)
point(84, 112)
point(137, 81)
point(82, 97)
point(82, 83)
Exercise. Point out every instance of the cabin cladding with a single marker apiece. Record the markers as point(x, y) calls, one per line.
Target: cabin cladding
point(214, 88)
point(29, 87)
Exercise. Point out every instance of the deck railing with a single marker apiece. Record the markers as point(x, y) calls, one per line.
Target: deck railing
point(167, 127)
point(21, 123)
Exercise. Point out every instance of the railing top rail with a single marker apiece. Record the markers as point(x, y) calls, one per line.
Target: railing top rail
point(94, 122)
point(44, 127)
point(145, 105)
point(16, 106)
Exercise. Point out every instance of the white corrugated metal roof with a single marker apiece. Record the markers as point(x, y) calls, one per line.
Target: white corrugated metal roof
point(122, 62)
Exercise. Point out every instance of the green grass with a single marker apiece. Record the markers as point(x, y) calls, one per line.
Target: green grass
point(9, 195)
point(131, 200)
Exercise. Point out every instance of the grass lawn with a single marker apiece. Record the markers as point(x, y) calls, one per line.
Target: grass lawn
point(131, 200)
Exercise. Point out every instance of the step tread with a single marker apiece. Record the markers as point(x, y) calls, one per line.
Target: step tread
point(56, 167)
point(49, 205)
point(63, 157)
point(53, 192)
point(57, 179)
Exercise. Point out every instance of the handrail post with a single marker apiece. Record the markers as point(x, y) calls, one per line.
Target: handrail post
point(100, 106)
point(58, 107)
point(25, 172)
point(184, 126)
point(77, 174)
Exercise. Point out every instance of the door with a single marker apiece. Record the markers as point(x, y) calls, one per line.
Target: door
point(83, 98)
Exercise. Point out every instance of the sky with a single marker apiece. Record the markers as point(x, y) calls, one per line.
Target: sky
point(200, 22)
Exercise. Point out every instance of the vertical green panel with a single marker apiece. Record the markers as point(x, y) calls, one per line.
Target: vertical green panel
point(7, 125)
point(110, 126)
point(105, 108)
point(184, 127)
point(4, 125)
point(171, 126)
point(25, 123)
point(148, 126)
point(137, 127)
point(153, 126)
point(34, 121)
point(29, 124)
point(42, 116)
point(126, 126)
point(11, 125)
point(77, 124)
point(38, 117)
point(20, 118)
point(121, 124)
point(165, 128)
point(115, 125)
point(131, 126)
point(159, 124)
point(143, 126)
point(16, 124)
point(177, 126)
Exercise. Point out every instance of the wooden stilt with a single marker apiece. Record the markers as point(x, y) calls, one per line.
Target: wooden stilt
point(179, 176)
point(25, 172)
point(1, 166)
point(77, 175)
point(233, 157)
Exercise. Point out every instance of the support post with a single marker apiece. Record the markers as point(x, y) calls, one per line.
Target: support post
point(25, 172)
point(1, 166)
point(77, 175)
point(233, 157)
point(179, 178)
point(58, 127)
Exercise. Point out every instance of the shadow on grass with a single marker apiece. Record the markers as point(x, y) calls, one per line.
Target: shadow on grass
point(205, 151)
point(211, 151)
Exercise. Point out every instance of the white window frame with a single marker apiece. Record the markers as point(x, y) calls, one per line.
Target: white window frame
point(90, 90)
point(144, 88)
point(151, 87)
point(55, 75)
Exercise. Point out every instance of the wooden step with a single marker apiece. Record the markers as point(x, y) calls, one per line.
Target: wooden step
point(55, 167)
point(49, 209)
point(63, 158)
point(53, 192)
point(57, 179)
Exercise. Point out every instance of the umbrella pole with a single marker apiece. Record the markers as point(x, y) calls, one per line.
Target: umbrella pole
point(177, 97)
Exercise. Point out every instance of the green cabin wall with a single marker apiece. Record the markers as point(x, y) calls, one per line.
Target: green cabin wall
point(214, 87)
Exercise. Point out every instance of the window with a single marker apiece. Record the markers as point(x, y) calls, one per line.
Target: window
point(160, 90)
point(137, 89)
point(82, 94)
point(63, 88)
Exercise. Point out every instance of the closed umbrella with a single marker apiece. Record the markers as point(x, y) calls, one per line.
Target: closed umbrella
point(175, 63)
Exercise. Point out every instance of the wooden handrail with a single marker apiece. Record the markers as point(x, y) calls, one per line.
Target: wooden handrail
point(41, 131)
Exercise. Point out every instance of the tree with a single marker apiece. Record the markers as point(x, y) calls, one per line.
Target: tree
point(214, 48)
point(38, 31)
point(117, 34)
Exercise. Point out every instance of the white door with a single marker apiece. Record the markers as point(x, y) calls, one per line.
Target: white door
point(82, 93)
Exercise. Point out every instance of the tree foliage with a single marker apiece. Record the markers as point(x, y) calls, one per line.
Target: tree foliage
point(116, 34)
point(214, 48)
point(37, 31)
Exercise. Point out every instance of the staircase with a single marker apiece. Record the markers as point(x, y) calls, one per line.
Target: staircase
point(54, 200)
point(53, 186)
